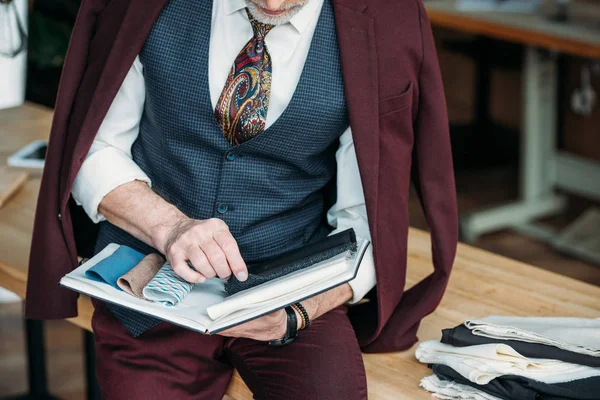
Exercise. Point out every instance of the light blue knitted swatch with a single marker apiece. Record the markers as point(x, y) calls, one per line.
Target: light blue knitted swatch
point(167, 287)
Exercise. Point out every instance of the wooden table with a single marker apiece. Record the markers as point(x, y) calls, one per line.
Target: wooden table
point(543, 167)
point(573, 38)
point(482, 283)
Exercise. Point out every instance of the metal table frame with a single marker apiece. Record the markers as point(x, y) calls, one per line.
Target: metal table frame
point(36, 364)
point(543, 167)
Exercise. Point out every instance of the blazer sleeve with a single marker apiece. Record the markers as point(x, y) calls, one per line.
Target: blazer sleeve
point(432, 174)
point(50, 258)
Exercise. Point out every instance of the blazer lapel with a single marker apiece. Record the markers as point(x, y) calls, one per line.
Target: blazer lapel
point(356, 36)
point(136, 25)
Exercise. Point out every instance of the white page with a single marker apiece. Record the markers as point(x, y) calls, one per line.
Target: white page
point(289, 298)
point(276, 288)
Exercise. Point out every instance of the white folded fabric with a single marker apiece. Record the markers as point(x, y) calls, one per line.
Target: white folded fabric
point(452, 390)
point(578, 335)
point(480, 364)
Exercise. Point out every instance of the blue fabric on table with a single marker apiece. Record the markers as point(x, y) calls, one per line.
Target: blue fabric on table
point(115, 266)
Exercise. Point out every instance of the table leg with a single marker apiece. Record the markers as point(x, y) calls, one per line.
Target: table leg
point(36, 358)
point(93, 390)
point(537, 198)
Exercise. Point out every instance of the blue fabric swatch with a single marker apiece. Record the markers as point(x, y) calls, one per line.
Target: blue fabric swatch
point(167, 287)
point(116, 265)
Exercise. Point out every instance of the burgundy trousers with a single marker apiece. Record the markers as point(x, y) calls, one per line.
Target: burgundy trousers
point(169, 362)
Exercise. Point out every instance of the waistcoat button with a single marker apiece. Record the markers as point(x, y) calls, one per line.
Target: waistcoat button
point(231, 156)
point(222, 208)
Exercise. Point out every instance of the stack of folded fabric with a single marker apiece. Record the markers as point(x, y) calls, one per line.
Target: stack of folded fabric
point(520, 358)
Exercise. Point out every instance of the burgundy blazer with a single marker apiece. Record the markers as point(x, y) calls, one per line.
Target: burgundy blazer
point(399, 123)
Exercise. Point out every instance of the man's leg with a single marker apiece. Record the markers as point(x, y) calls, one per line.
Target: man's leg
point(166, 362)
point(324, 363)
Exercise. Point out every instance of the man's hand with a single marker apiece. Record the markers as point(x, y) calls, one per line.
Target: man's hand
point(208, 245)
point(273, 326)
point(266, 328)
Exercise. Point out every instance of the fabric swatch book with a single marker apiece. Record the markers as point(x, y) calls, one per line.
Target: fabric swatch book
point(216, 304)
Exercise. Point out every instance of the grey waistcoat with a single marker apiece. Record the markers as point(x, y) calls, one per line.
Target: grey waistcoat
point(269, 189)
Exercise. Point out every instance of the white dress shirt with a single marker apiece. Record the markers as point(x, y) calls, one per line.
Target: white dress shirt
point(109, 162)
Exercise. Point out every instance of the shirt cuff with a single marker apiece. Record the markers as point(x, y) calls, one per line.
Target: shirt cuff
point(102, 172)
point(365, 279)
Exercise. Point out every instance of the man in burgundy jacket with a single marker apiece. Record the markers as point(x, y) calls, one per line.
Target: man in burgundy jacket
point(375, 60)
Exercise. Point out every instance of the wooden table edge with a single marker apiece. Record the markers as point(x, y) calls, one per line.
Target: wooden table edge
point(498, 30)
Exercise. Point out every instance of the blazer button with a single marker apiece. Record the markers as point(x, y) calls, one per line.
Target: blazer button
point(59, 216)
point(231, 156)
point(222, 208)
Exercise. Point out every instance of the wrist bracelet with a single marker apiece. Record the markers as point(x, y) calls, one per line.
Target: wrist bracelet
point(291, 332)
point(304, 314)
point(303, 325)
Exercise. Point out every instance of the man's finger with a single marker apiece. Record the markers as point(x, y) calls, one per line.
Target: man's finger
point(230, 247)
point(216, 257)
point(199, 261)
point(181, 268)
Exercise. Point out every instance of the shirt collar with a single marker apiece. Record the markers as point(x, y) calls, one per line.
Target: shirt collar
point(232, 6)
point(300, 21)
point(306, 15)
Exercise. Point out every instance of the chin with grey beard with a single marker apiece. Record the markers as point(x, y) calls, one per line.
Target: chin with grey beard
point(289, 8)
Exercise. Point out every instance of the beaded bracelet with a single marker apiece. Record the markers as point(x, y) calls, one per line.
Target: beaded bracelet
point(303, 324)
point(303, 314)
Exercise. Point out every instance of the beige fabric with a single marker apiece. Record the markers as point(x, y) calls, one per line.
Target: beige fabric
point(134, 281)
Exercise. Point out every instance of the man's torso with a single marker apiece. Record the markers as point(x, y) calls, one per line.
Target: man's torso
point(269, 189)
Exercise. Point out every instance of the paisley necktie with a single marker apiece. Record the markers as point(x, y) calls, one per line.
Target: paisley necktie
point(242, 108)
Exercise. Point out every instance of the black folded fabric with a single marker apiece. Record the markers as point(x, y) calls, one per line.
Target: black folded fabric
point(462, 336)
point(294, 260)
point(513, 387)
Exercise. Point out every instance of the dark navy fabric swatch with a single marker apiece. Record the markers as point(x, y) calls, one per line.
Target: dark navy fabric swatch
point(511, 387)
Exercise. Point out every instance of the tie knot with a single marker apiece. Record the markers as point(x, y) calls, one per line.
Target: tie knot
point(260, 29)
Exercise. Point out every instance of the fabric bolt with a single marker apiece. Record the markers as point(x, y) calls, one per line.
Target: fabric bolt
point(109, 270)
point(167, 287)
point(271, 195)
point(461, 336)
point(512, 387)
point(133, 282)
point(450, 390)
point(178, 363)
point(480, 364)
point(580, 335)
point(242, 107)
